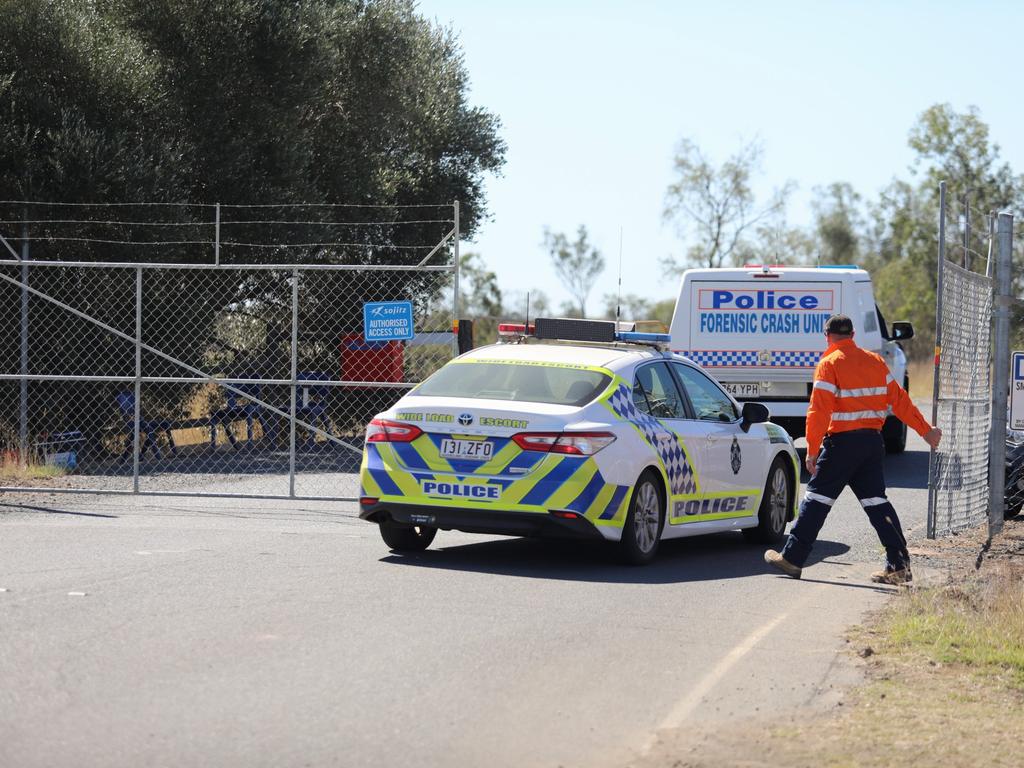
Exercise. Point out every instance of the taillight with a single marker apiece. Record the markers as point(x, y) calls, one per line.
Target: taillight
point(572, 443)
point(514, 329)
point(387, 431)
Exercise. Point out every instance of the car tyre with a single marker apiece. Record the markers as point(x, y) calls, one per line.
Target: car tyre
point(776, 502)
point(406, 538)
point(894, 433)
point(644, 521)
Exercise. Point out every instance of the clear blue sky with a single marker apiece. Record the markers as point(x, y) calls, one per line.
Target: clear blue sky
point(594, 96)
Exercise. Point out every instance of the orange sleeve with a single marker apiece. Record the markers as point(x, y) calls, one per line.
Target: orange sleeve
point(823, 403)
point(904, 409)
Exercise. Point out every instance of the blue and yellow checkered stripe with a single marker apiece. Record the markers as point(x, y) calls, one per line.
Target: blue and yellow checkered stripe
point(395, 472)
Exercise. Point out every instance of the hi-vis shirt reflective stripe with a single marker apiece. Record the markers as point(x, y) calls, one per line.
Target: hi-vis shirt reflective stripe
point(854, 390)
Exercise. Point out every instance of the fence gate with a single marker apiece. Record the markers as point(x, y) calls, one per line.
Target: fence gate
point(962, 399)
point(216, 372)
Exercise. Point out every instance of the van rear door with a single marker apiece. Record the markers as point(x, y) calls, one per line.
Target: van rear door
point(747, 329)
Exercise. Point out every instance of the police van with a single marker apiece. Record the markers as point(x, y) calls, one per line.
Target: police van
point(761, 330)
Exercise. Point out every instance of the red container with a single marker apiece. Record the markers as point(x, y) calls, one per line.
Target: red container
point(371, 361)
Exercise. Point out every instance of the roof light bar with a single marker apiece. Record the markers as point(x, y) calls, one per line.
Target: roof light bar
point(514, 329)
point(572, 329)
point(638, 337)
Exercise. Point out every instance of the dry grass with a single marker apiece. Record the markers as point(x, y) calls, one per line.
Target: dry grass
point(13, 473)
point(921, 373)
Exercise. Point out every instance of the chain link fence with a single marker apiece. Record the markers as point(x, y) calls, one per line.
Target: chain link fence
point(959, 469)
point(219, 375)
point(971, 363)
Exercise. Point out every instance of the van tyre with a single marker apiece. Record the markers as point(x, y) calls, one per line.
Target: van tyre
point(406, 538)
point(894, 433)
point(644, 521)
point(776, 503)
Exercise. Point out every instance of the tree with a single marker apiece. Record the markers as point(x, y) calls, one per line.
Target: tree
point(248, 102)
point(481, 298)
point(838, 223)
point(952, 147)
point(577, 264)
point(774, 241)
point(715, 206)
point(632, 306)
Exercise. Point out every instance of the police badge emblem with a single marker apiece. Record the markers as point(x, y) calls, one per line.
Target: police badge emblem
point(735, 456)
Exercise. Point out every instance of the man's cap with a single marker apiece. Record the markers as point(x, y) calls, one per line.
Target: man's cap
point(840, 325)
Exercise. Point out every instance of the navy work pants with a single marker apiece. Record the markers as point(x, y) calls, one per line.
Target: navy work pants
point(848, 459)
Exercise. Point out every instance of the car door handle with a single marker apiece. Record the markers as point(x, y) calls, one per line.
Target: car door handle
point(663, 437)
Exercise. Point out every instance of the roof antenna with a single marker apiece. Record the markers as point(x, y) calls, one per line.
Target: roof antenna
point(526, 325)
point(618, 299)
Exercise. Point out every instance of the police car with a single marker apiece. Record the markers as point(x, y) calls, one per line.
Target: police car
point(578, 430)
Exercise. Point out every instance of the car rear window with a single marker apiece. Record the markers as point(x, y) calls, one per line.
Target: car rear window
point(516, 381)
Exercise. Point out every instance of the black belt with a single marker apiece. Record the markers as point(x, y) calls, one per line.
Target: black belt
point(854, 432)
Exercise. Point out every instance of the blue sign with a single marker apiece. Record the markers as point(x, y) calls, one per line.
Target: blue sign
point(1017, 392)
point(387, 321)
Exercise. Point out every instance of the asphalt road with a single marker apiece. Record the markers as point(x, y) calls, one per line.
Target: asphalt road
point(188, 632)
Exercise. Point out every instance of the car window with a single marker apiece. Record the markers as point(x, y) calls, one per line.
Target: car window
point(655, 392)
point(709, 402)
point(519, 382)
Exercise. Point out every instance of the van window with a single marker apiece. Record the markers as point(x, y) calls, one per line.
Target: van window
point(871, 321)
point(655, 393)
point(708, 400)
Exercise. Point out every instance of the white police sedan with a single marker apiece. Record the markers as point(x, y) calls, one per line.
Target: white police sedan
point(576, 430)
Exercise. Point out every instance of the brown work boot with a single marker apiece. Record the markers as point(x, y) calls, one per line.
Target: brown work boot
point(896, 577)
point(776, 560)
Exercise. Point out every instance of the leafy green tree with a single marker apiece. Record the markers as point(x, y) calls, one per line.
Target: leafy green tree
point(632, 306)
point(639, 308)
point(246, 102)
point(481, 298)
point(952, 147)
point(774, 241)
point(714, 207)
point(839, 226)
point(578, 264)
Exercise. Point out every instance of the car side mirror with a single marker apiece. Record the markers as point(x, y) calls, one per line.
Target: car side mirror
point(754, 413)
point(902, 330)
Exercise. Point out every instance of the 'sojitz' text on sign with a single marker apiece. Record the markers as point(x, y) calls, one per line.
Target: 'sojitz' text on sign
point(765, 299)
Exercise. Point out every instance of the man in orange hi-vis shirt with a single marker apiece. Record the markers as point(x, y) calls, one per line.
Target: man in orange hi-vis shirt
point(852, 394)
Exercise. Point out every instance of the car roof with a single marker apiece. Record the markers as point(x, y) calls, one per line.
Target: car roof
point(598, 356)
point(807, 274)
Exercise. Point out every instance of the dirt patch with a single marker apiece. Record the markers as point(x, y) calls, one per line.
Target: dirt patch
point(945, 678)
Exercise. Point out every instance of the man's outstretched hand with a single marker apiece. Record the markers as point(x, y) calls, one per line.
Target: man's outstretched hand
point(933, 438)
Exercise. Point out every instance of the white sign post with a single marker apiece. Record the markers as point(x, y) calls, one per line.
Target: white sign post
point(1017, 390)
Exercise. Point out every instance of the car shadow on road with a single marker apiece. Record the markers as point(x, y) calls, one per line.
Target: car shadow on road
point(703, 558)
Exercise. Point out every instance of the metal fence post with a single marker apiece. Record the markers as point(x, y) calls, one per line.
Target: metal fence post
point(216, 235)
point(455, 297)
point(938, 356)
point(294, 378)
point(967, 231)
point(1001, 374)
point(137, 416)
point(23, 397)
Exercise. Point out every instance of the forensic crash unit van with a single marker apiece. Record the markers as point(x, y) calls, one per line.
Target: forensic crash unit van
point(761, 330)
